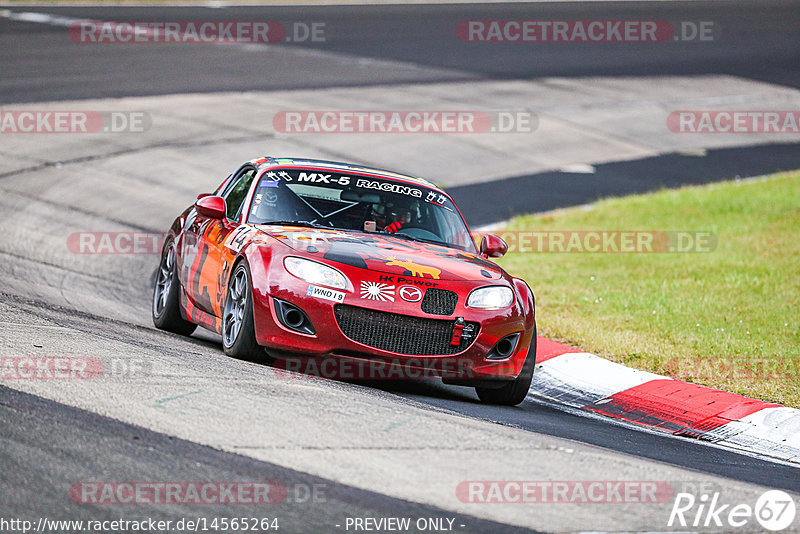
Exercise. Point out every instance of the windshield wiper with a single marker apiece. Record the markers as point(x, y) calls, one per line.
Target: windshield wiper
point(410, 238)
point(304, 224)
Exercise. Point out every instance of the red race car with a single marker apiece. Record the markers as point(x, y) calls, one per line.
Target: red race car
point(361, 272)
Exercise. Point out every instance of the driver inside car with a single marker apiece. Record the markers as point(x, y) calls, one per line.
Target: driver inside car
point(399, 217)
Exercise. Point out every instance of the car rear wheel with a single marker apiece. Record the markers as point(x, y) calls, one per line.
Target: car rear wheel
point(166, 308)
point(514, 392)
point(238, 326)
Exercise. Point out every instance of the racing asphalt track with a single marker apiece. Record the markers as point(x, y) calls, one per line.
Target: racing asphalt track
point(193, 414)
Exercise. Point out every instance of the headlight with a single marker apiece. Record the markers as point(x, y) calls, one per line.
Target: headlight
point(491, 297)
point(315, 273)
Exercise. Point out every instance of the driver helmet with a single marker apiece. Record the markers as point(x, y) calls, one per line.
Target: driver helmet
point(400, 214)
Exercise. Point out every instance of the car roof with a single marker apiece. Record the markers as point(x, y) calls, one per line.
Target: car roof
point(278, 162)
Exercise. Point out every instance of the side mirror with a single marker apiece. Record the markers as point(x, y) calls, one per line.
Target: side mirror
point(493, 247)
point(211, 206)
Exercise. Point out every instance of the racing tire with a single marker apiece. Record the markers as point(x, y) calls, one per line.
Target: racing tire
point(166, 308)
point(238, 325)
point(513, 392)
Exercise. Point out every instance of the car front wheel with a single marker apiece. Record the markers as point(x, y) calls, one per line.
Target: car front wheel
point(238, 325)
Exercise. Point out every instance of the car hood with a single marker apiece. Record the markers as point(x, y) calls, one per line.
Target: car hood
point(386, 254)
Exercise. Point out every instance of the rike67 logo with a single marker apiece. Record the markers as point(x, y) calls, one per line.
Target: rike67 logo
point(774, 511)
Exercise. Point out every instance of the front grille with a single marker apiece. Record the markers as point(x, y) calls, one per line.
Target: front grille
point(439, 301)
point(402, 334)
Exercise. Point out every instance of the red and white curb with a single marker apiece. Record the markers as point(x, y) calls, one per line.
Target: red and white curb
point(567, 376)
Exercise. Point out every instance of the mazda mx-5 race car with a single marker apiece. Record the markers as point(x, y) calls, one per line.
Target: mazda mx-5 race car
point(332, 263)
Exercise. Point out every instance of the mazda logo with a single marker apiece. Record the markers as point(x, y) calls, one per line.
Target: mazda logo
point(410, 293)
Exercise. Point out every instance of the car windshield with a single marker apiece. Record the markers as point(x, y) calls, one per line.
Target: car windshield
point(366, 204)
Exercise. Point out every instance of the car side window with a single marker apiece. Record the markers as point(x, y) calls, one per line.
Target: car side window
point(235, 194)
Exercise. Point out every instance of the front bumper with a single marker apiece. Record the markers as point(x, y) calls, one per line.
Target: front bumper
point(393, 347)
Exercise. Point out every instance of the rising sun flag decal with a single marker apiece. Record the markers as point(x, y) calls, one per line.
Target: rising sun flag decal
point(377, 291)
